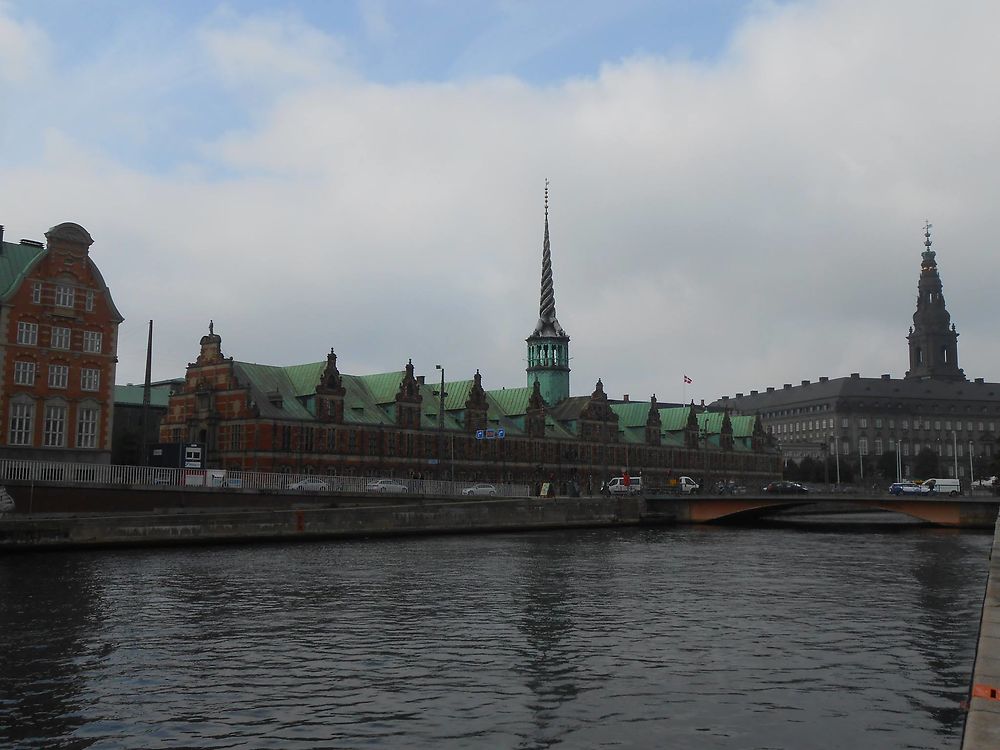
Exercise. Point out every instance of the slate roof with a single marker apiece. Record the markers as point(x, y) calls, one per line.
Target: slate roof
point(883, 390)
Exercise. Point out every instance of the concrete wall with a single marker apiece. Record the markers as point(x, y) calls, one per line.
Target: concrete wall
point(982, 724)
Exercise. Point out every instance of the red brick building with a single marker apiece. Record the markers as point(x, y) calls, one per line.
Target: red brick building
point(313, 419)
point(58, 349)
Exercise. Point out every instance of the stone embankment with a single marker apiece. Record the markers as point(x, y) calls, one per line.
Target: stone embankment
point(982, 724)
point(388, 517)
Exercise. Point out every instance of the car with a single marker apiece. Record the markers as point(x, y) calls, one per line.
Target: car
point(786, 488)
point(480, 489)
point(310, 485)
point(386, 485)
point(908, 488)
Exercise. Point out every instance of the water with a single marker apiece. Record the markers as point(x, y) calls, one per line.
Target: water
point(812, 637)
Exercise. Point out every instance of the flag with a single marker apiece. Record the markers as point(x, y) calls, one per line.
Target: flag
point(687, 380)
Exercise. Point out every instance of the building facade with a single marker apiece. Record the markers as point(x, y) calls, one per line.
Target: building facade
point(311, 418)
point(857, 421)
point(58, 349)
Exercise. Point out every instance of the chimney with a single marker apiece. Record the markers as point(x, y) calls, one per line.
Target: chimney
point(770, 389)
point(739, 395)
point(856, 375)
point(823, 378)
point(886, 376)
point(1, 238)
point(625, 397)
point(805, 382)
point(978, 380)
point(787, 386)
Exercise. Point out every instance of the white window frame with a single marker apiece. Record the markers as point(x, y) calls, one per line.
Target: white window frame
point(24, 372)
point(86, 427)
point(36, 292)
point(65, 296)
point(58, 376)
point(54, 430)
point(88, 304)
point(22, 420)
point(27, 333)
point(90, 379)
point(92, 341)
point(61, 337)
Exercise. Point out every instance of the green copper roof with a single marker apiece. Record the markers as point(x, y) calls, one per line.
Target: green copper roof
point(16, 261)
point(511, 402)
point(383, 386)
point(159, 394)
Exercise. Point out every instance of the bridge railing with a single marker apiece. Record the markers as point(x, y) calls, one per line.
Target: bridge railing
point(153, 476)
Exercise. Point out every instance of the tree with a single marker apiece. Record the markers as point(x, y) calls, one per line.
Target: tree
point(926, 464)
point(887, 465)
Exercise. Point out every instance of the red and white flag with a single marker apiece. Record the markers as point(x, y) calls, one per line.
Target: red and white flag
point(687, 380)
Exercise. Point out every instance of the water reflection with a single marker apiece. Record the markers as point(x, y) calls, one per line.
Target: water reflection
point(715, 639)
point(46, 620)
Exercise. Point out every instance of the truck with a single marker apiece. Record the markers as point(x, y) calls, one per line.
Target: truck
point(634, 486)
point(681, 486)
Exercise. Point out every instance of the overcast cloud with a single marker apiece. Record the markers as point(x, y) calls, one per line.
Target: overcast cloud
point(748, 219)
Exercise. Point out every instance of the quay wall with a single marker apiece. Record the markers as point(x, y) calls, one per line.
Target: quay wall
point(982, 723)
point(31, 531)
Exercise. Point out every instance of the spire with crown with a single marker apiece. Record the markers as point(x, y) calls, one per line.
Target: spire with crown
point(933, 340)
point(548, 345)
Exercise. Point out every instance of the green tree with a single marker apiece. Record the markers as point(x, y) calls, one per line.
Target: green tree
point(926, 464)
point(887, 465)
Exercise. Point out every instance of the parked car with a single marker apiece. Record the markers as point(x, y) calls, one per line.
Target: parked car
point(386, 485)
point(786, 488)
point(310, 485)
point(481, 489)
point(908, 488)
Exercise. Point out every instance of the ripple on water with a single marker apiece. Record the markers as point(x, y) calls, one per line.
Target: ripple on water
point(687, 638)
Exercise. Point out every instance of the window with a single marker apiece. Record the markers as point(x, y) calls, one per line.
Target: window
point(845, 422)
point(906, 449)
point(235, 437)
point(58, 376)
point(845, 447)
point(878, 446)
point(878, 423)
point(892, 424)
point(24, 373)
point(90, 379)
point(89, 301)
point(22, 415)
point(906, 424)
point(65, 296)
point(86, 428)
point(968, 426)
point(937, 424)
point(36, 292)
point(947, 424)
point(960, 450)
point(54, 435)
point(863, 423)
point(60, 337)
point(27, 333)
point(92, 341)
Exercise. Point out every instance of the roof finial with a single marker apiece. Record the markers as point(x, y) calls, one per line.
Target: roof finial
point(546, 197)
point(927, 234)
point(211, 327)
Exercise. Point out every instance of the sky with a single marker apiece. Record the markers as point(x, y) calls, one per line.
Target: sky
point(738, 190)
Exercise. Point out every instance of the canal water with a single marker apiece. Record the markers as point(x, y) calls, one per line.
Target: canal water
point(810, 636)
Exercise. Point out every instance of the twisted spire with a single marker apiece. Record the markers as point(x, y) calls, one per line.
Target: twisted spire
point(548, 325)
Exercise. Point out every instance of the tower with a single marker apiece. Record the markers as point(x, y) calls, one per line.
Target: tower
point(933, 342)
point(548, 345)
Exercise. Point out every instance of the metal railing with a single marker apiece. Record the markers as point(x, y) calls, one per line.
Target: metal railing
point(307, 484)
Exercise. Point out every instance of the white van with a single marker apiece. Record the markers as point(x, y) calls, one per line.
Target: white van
point(950, 487)
point(617, 486)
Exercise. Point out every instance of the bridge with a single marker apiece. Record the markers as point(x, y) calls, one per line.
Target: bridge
point(962, 511)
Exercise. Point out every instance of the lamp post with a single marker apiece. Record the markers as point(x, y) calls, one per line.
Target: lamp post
point(836, 457)
point(954, 450)
point(972, 476)
point(441, 418)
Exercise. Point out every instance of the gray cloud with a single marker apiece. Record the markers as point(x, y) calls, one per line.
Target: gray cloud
point(748, 222)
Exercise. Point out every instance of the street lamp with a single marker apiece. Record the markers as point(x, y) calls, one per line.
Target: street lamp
point(441, 417)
